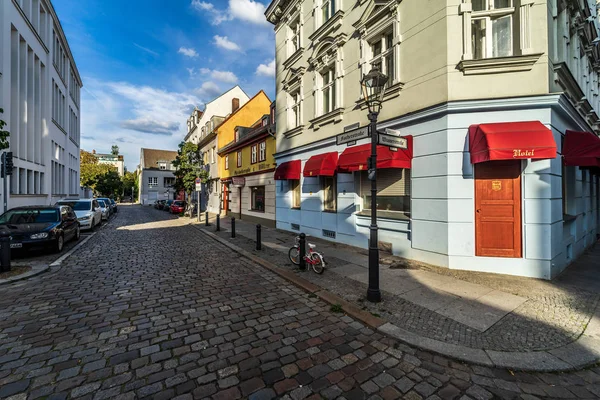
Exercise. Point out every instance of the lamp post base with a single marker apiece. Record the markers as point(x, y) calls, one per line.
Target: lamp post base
point(374, 295)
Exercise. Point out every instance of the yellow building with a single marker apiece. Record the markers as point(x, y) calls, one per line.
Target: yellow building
point(246, 168)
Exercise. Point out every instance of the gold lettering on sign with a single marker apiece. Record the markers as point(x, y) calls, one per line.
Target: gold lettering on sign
point(496, 185)
point(518, 153)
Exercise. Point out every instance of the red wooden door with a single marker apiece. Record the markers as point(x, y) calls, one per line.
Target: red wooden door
point(498, 209)
point(225, 198)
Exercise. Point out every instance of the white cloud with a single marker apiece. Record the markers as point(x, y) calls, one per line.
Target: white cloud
point(188, 52)
point(225, 43)
point(208, 91)
point(243, 10)
point(192, 72)
point(204, 71)
point(266, 69)
point(224, 76)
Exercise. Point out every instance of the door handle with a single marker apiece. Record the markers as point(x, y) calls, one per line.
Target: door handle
point(478, 211)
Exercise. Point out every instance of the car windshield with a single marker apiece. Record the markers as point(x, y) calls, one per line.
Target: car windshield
point(102, 203)
point(178, 203)
point(29, 216)
point(77, 205)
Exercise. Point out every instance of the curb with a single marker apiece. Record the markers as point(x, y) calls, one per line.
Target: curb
point(581, 353)
point(26, 275)
point(62, 258)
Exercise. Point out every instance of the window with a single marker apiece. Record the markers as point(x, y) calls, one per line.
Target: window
point(258, 198)
point(393, 192)
point(327, 10)
point(491, 28)
point(262, 151)
point(295, 189)
point(237, 135)
point(227, 161)
point(327, 91)
point(295, 118)
point(168, 181)
point(239, 158)
point(152, 181)
point(382, 55)
point(254, 151)
point(568, 190)
point(329, 193)
point(294, 37)
point(212, 155)
point(162, 165)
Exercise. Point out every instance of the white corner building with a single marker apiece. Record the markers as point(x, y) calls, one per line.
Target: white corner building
point(40, 94)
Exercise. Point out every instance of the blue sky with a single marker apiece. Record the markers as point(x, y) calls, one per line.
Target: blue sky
point(146, 64)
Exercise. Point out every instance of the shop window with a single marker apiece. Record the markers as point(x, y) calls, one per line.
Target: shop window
point(329, 193)
point(328, 90)
point(262, 151)
point(258, 198)
point(382, 54)
point(393, 192)
point(239, 158)
point(295, 189)
point(492, 28)
point(254, 154)
point(568, 192)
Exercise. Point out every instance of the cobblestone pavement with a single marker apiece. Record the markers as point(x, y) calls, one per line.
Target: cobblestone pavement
point(554, 314)
point(152, 308)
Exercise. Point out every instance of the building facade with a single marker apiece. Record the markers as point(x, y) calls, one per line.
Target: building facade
point(40, 94)
point(156, 176)
point(116, 160)
point(202, 127)
point(484, 92)
point(246, 169)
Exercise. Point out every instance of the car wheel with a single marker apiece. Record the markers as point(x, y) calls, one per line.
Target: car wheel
point(77, 233)
point(60, 243)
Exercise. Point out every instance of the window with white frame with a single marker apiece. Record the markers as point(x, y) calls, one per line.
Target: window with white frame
point(492, 28)
point(294, 37)
point(237, 135)
point(212, 155)
point(295, 117)
point(328, 90)
point(152, 181)
point(262, 151)
point(239, 158)
point(162, 165)
point(382, 54)
point(254, 154)
point(327, 10)
point(227, 161)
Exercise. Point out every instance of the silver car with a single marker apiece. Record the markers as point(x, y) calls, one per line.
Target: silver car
point(87, 211)
point(105, 208)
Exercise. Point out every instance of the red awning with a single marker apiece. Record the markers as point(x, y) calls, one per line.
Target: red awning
point(321, 165)
point(288, 170)
point(581, 149)
point(511, 140)
point(355, 158)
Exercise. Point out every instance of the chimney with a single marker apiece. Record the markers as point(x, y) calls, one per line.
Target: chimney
point(235, 104)
point(93, 151)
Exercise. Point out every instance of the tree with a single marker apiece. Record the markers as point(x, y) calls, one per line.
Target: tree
point(109, 184)
point(115, 150)
point(3, 134)
point(91, 170)
point(129, 180)
point(188, 166)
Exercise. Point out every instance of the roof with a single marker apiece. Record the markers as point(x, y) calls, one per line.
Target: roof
point(151, 157)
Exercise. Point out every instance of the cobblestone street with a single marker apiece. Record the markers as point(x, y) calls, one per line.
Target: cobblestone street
point(152, 308)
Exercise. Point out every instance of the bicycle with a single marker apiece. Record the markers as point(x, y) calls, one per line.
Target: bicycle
point(312, 257)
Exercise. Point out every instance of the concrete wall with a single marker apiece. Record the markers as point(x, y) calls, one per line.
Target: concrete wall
point(268, 216)
point(149, 194)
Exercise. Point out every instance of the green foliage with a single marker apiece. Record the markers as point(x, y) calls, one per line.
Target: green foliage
point(3, 134)
point(188, 166)
point(336, 308)
point(98, 177)
point(114, 150)
point(129, 180)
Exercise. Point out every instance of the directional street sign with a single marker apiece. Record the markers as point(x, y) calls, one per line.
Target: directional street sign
point(353, 135)
point(392, 141)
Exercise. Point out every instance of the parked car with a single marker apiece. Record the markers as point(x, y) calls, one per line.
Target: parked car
point(109, 204)
point(114, 204)
point(105, 208)
point(159, 204)
point(40, 226)
point(178, 207)
point(87, 210)
point(167, 205)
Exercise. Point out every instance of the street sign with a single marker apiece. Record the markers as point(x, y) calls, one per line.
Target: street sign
point(198, 185)
point(353, 135)
point(392, 141)
point(238, 181)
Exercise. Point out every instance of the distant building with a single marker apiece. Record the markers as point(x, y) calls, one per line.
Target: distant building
point(156, 175)
point(39, 92)
point(116, 160)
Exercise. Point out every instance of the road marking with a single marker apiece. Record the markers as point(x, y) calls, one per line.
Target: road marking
point(73, 250)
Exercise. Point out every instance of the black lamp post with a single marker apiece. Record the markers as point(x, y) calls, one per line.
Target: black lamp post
point(373, 87)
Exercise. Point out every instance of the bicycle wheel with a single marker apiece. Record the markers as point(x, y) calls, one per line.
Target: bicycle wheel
point(294, 255)
point(318, 264)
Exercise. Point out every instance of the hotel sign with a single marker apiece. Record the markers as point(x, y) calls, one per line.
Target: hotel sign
point(393, 141)
point(352, 136)
point(518, 153)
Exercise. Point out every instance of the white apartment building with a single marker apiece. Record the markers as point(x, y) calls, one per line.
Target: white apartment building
point(499, 102)
point(201, 131)
point(40, 93)
point(116, 160)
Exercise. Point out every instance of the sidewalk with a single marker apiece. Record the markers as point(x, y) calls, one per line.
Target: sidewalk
point(484, 318)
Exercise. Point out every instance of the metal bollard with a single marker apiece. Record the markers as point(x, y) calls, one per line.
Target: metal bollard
point(302, 249)
point(232, 227)
point(258, 237)
point(206, 218)
point(218, 222)
point(4, 252)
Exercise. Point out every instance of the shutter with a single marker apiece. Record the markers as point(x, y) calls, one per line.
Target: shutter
point(390, 182)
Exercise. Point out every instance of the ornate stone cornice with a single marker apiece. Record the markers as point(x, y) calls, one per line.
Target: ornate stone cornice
point(499, 64)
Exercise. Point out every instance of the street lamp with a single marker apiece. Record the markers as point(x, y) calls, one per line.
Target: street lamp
point(373, 87)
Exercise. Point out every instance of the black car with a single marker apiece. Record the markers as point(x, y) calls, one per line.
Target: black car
point(40, 226)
